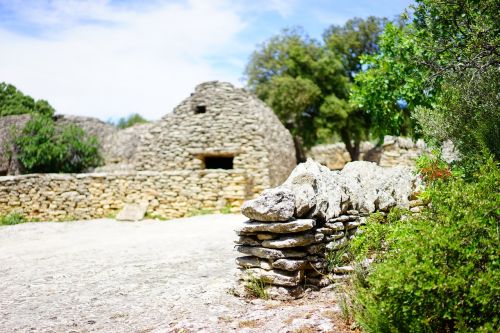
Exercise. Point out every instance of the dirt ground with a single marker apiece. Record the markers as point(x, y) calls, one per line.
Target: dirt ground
point(149, 276)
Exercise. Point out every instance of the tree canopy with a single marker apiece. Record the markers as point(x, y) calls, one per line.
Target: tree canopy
point(13, 102)
point(307, 82)
point(438, 75)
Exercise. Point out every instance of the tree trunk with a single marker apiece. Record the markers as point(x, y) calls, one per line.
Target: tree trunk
point(300, 155)
point(354, 150)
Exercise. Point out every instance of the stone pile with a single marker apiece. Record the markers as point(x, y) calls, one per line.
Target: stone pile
point(296, 229)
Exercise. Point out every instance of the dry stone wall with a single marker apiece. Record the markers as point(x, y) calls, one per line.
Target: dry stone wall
point(394, 151)
point(294, 228)
point(85, 196)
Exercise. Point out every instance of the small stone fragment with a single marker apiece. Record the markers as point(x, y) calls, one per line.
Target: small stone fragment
point(132, 212)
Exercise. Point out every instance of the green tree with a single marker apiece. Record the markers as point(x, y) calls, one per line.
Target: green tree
point(131, 120)
point(13, 102)
point(462, 43)
point(307, 83)
point(356, 38)
point(293, 73)
point(393, 84)
point(41, 147)
point(443, 71)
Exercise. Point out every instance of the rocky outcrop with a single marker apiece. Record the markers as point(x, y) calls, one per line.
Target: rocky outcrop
point(328, 208)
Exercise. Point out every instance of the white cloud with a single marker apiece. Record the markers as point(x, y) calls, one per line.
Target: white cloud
point(97, 59)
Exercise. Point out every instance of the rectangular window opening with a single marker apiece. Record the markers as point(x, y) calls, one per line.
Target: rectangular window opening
point(200, 109)
point(218, 162)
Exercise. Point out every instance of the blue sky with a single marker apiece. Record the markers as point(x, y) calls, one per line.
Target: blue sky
point(107, 59)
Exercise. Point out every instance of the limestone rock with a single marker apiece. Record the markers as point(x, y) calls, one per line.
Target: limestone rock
point(343, 270)
point(253, 262)
point(280, 228)
point(245, 240)
point(132, 212)
point(337, 244)
point(336, 235)
point(265, 236)
point(290, 264)
point(271, 254)
point(275, 277)
point(276, 204)
point(290, 241)
point(336, 226)
point(284, 293)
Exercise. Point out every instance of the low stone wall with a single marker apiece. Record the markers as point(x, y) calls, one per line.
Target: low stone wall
point(95, 195)
point(394, 151)
point(297, 232)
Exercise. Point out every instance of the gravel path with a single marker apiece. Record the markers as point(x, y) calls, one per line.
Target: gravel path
point(149, 276)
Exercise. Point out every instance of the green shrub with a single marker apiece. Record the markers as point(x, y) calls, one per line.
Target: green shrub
point(131, 120)
point(43, 148)
point(437, 271)
point(12, 218)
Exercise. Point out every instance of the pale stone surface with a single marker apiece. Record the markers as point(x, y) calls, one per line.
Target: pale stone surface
point(272, 254)
point(153, 276)
point(290, 264)
point(279, 227)
point(290, 241)
point(272, 205)
point(132, 212)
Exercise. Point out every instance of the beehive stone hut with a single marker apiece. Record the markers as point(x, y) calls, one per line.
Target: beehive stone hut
point(219, 127)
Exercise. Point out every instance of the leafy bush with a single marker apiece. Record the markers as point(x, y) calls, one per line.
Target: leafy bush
point(43, 148)
point(13, 102)
point(131, 120)
point(437, 271)
point(12, 218)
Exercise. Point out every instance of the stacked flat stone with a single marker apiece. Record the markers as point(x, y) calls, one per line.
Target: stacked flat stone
point(294, 227)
